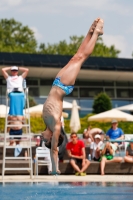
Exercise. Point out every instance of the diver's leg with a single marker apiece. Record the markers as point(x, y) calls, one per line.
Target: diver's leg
point(69, 73)
point(54, 149)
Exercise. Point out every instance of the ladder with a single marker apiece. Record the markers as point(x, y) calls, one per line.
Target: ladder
point(25, 125)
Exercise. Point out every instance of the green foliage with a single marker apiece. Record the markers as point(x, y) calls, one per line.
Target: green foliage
point(70, 48)
point(101, 103)
point(14, 37)
point(102, 50)
point(2, 125)
point(31, 101)
point(127, 127)
point(62, 47)
point(37, 125)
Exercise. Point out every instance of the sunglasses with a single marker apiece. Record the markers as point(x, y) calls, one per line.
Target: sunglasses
point(14, 70)
point(74, 136)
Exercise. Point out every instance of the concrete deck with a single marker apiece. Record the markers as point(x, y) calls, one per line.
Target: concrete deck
point(69, 178)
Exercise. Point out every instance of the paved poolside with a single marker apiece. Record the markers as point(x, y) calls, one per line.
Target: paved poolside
point(69, 178)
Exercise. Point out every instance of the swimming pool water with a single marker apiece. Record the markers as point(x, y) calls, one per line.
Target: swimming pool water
point(66, 191)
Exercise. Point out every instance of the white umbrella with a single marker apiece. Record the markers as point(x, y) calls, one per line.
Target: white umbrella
point(111, 114)
point(128, 107)
point(67, 105)
point(3, 111)
point(37, 110)
point(75, 120)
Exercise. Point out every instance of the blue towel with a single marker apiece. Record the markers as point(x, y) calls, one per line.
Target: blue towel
point(17, 103)
point(17, 150)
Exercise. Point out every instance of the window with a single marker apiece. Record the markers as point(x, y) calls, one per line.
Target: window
point(90, 92)
point(122, 83)
point(89, 83)
point(44, 90)
point(34, 91)
point(123, 93)
point(110, 92)
point(32, 82)
point(46, 81)
point(108, 83)
point(74, 93)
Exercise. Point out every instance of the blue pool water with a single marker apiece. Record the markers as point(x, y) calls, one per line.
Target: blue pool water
point(66, 191)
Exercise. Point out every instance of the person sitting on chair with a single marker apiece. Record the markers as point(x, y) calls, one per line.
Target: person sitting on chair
point(107, 155)
point(17, 130)
point(15, 87)
point(64, 85)
point(17, 121)
point(115, 133)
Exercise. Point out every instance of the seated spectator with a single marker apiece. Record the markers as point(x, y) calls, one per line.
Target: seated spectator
point(115, 133)
point(95, 148)
point(86, 138)
point(76, 152)
point(129, 153)
point(94, 131)
point(107, 155)
point(17, 130)
point(15, 87)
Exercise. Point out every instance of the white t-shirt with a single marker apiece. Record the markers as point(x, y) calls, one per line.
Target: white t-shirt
point(14, 82)
point(94, 146)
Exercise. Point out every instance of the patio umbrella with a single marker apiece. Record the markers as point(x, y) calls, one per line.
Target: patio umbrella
point(67, 105)
point(111, 114)
point(37, 111)
point(75, 120)
point(128, 107)
point(3, 111)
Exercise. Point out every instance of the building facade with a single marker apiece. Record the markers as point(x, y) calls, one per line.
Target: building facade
point(111, 75)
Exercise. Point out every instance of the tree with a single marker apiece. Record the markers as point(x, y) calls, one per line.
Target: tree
point(101, 103)
point(70, 48)
point(14, 37)
point(31, 101)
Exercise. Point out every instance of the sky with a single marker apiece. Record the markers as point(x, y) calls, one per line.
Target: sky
point(56, 20)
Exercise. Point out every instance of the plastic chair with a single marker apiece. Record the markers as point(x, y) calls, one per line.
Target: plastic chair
point(42, 152)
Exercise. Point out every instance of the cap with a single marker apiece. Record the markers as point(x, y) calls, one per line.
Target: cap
point(14, 68)
point(97, 136)
point(114, 121)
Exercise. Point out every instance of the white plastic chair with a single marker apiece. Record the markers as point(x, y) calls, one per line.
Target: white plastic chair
point(127, 137)
point(42, 152)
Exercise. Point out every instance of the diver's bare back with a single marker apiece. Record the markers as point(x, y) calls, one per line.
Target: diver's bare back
point(52, 108)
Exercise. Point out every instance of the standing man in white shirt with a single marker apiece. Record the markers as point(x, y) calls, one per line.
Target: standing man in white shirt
point(15, 86)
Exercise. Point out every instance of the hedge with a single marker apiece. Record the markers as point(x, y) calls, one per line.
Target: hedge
point(37, 125)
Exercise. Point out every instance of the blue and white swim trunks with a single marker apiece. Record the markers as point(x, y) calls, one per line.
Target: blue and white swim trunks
point(66, 88)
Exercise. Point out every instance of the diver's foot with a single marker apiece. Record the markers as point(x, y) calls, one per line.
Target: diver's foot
point(99, 27)
point(58, 172)
point(93, 26)
point(55, 172)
